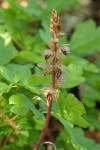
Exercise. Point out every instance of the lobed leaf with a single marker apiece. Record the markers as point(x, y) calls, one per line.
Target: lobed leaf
point(16, 73)
point(72, 110)
point(86, 38)
point(22, 105)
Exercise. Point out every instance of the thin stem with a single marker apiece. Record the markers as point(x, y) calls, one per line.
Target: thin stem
point(50, 99)
point(48, 111)
point(47, 117)
point(45, 126)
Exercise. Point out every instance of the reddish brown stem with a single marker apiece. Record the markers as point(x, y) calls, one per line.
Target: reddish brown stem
point(47, 117)
point(55, 70)
point(45, 126)
point(50, 99)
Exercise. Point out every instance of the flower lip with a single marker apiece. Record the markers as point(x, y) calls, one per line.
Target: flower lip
point(65, 49)
point(48, 54)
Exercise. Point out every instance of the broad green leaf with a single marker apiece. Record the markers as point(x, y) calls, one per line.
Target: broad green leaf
point(36, 82)
point(7, 53)
point(86, 38)
point(83, 63)
point(74, 77)
point(37, 79)
point(16, 73)
point(22, 105)
point(30, 56)
point(70, 137)
point(81, 141)
point(4, 88)
point(72, 110)
point(74, 137)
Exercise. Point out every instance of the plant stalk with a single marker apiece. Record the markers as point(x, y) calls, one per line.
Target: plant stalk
point(47, 116)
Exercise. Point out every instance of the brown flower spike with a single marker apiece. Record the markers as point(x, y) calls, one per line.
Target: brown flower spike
point(53, 66)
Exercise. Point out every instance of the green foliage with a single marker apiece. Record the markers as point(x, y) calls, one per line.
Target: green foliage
point(24, 34)
point(21, 104)
point(74, 78)
point(7, 53)
point(72, 110)
point(84, 42)
point(16, 73)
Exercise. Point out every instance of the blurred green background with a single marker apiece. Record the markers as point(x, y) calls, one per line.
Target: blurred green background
point(24, 34)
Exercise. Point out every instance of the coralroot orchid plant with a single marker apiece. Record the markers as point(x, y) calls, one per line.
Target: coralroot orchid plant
point(53, 66)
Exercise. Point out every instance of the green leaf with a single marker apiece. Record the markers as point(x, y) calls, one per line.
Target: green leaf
point(30, 56)
point(74, 138)
point(4, 88)
point(82, 141)
point(83, 63)
point(72, 110)
point(86, 38)
point(74, 77)
point(7, 53)
point(70, 136)
point(37, 79)
point(16, 73)
point(22, 105)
